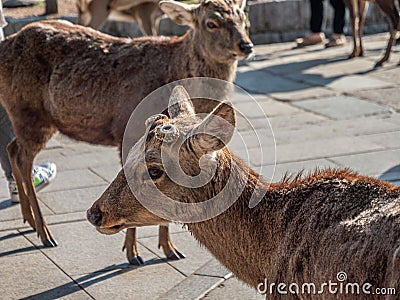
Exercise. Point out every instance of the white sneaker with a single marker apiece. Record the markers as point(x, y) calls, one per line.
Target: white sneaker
point(42, 176)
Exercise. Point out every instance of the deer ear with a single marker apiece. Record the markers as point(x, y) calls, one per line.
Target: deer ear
point(178, 12)
point(179, 103)
point(241, 4)
point(217, 129)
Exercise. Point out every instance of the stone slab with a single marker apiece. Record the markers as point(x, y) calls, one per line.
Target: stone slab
point(33, 276)
point(14, 243)
point(193, 287)
point(388, 97)
point(147, 282)
point(357, 82)
point(83, 250)
point(108, 171)
point(379, 162)
point(74, 179)
point(342, 107)
point(308, 93)
point(197, 256)
point(315, 150)
point(233, 289)
point(214, 268)
point(263, 83)
point(72, 200)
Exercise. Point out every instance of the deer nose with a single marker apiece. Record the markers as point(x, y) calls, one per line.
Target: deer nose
point(94, 216)
point(246, 48)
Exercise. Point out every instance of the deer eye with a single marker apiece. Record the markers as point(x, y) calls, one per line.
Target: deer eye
point(155, 173)
point(211, 25)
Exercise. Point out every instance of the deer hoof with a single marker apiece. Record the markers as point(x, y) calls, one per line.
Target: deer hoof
point(175, 255)
point(136, 260)
point(50, 242)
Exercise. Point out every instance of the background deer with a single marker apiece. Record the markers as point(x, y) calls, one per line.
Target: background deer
point(147, 13)
point(358, 9)
point(85, 84)
point(304, 230)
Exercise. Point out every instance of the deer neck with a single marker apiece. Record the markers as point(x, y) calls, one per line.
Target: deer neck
point(238, 237)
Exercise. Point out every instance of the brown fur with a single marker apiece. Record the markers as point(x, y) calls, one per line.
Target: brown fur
point(358, 10)
point(147, 13)
point(57, 76)
point(304, 230)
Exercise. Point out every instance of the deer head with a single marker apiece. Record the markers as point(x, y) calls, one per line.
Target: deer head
point(175, 159)
point(218, 25)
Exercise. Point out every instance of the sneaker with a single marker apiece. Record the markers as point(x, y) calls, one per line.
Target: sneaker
point(42, 176)
point(336, 40)
point(313, 39)
point(12, 187)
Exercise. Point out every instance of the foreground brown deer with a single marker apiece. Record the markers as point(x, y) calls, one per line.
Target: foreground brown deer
point(304, 230)
point(147, 13)
point(59, 76)
point(358, 9)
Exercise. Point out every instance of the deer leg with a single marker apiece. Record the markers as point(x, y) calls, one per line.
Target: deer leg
point(22, 161)
point(354, 16)
point(130, 245)
point(169, 249)
point(99, 11)
point(363, 5)
point(26, 208)
point(389, 8)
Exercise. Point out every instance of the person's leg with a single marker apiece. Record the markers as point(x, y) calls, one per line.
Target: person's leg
point(6, 135)
point(317, 15)
point(339, 14)
point(337, 38)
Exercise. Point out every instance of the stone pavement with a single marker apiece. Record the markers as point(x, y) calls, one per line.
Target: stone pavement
point(325, 111)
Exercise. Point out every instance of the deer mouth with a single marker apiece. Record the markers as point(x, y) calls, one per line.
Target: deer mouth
point(110, 230)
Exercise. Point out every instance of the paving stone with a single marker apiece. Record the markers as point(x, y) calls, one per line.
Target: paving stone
point(389, 75)
point(33, 276)
point(316, 149)
point(214, 268)
point(342, 107)
point(14, 243)
point(72, 200)
point(280, 122)
point(108, 172)
point(379, 162)
point(147, 282)
point(267, 108)
point(74, 179)
point(193, 287)
point(12, 211)
point(308, 93)
point(263, 83)
point(387, 140)
point(83, 250)
point(74, 161)
point(357, 82)
point(152, 231)
point(233, 289)
point(197, 256)
point(391, 175)
point(388, 97)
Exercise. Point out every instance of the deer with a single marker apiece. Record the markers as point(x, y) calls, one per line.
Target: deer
point(85, 84)
point(358, 10)
point(146, 13)
point(304, 229)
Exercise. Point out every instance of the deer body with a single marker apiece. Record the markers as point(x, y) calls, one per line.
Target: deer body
point(147, 13)
point(304, 230)
point(58, 76)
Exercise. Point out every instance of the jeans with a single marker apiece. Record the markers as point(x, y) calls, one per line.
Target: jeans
point(6, 136)
point(317, 14)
